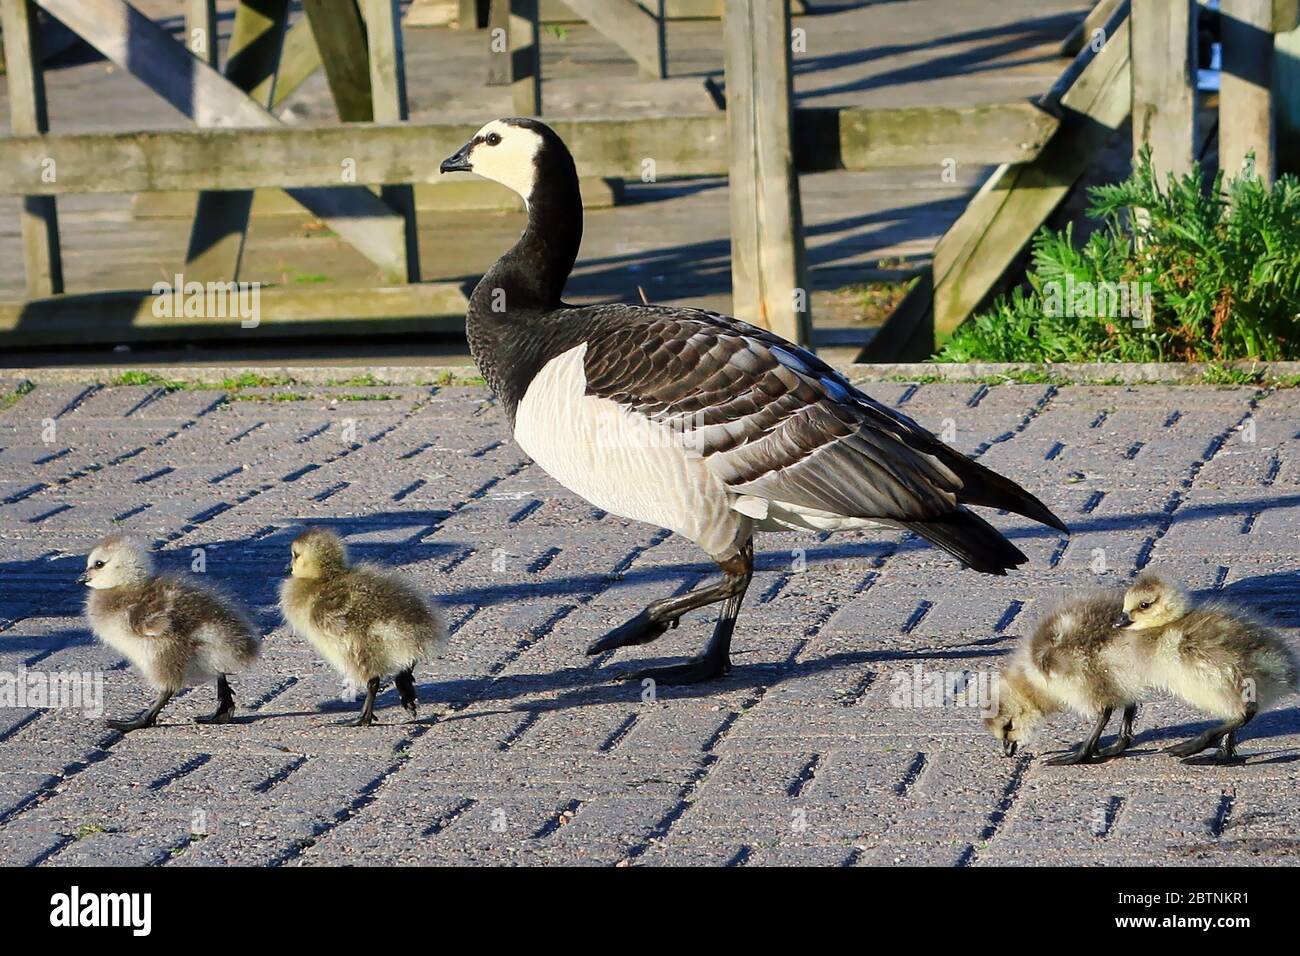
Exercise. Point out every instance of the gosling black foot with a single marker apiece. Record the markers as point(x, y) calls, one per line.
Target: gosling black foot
point(1187, 748)
point(225, 711)
point(696, 670)
point(367, 716)
point(641, 629)
point(1216, 759)
point(364, 720)
point(139, 723)
point(405, 682)
point(1115, 749)
point(1075, 755)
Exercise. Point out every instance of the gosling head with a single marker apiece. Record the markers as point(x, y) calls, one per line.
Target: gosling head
point(516, 152)
point(1152, 602)
point(315, 553)
point(1018, 714)
point(117, 561)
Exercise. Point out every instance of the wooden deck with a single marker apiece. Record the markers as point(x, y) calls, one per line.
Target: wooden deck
point(670, 238)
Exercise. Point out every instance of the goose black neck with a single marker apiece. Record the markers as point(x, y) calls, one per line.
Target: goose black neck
point(533, 273)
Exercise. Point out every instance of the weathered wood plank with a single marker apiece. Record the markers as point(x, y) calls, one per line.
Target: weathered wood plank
point(388, 96)
point(971, 259)
point(340, 36)
point(216, 241)
point(1164, 83)
point(524, 38)
point(136, 44)
point(28, 116)
point(559, 11)
point(201, 29)
point(498, 39)
point(687, 145)
point(769, 280)
point(299, 59)
point(1246, 88)
point(129, 316)
point(628, 25)
point(1086, 31)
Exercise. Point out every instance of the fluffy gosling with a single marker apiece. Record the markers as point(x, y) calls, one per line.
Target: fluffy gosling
point(1214, 657)
point(367, 622)
point(1071, 661)
point(175, 632)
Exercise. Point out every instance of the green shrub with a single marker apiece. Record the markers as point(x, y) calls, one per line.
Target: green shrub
point(1217, 277)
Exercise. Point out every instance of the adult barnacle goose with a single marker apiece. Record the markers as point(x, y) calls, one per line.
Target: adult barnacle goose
point(696, 421)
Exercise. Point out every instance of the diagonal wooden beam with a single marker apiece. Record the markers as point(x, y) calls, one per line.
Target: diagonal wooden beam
point(216, 245)
point(629, 25)
point(139, 46)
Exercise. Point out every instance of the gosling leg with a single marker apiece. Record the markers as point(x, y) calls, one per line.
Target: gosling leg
point(368, 708)
point(405, 682)
point(147, 719)
point(1125, 738)
point(1086, 751)
point(1226, 752)
point(225, 704)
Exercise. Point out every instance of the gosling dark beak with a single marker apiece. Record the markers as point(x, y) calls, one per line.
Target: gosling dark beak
point(84, 578)
point(458, 162)
point(1009, 748)
point(1123, 620)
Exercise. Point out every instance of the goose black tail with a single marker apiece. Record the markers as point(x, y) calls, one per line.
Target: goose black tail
point(970, 539)
point(988, 489)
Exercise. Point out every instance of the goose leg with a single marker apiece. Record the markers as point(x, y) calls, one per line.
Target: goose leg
point(225, 704)
point(1125, 738)
point(368, 708)
point(716, 659)
point(147, 719)
point(1086, 751)
point(660, 615)
point(1225, 734)
point(405, 682)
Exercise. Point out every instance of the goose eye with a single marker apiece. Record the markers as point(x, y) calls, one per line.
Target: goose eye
point(492, 139)
point(1144, 605)
point(99, 564)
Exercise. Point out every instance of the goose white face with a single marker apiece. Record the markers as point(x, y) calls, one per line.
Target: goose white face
point(115, 562)
point(502, 152)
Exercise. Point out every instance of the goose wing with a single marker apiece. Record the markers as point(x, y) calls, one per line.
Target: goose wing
point(774, 421)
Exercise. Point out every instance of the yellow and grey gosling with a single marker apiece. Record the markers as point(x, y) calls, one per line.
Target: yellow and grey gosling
point(176, 632)
point(1215, 657)
point(366, 621)
point(1073, 660)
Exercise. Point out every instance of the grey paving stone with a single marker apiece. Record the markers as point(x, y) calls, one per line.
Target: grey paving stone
point(814, 750)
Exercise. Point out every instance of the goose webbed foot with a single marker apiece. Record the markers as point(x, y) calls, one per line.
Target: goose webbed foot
point(367, 715)
point(641, 629)
point(1079, 753)
point(705, 667)
point(225, 711)
point(146, 719)
point(1192, 747)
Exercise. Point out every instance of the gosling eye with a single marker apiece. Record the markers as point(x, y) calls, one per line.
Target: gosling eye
point(99, 564)
point(1145, 605)
point(492, 139)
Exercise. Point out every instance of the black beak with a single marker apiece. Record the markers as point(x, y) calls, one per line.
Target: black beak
point(1009, 748)
point(458, 162)
point(1123, 620)
point(84, 578)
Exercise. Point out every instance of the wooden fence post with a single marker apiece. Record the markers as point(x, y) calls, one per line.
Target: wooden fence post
point(769, 284)
point(1286, 92)
point(498, 24)
point(27, 117)
point(1164, 83)
point(1246, 89)
point(388, 97)
point(525, 58)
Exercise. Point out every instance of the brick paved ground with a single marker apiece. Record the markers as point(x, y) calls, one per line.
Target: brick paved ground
point(529, 752)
